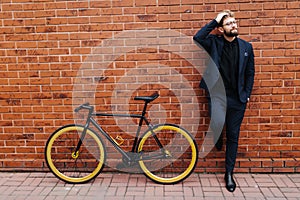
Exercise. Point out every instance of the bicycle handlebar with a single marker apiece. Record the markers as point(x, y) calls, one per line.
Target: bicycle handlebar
point(83, 106)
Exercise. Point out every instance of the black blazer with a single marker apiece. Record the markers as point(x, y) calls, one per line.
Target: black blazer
point(213, 44)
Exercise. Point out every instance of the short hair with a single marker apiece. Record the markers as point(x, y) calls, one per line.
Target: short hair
point(230, 14)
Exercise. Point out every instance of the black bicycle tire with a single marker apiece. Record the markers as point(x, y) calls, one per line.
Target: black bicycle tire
point(49, 165)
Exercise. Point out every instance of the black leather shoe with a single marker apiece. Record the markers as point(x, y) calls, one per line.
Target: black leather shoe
point(230, 184)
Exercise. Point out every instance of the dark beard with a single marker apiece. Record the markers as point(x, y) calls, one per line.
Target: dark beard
point(231, 34)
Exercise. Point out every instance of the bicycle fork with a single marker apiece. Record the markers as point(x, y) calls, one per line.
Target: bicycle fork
point(75, 154)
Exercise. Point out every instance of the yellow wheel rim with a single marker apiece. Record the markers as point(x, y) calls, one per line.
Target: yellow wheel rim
point(180, 176)
point(74, 155)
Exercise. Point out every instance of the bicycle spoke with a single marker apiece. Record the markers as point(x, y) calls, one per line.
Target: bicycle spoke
point(179, 157)
point(72, 166)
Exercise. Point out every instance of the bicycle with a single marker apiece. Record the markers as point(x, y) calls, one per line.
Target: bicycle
point(166, 153)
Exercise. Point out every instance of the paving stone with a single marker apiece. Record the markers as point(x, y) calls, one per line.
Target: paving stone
point(44, 186)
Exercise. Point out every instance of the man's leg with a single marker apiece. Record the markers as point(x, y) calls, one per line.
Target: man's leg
point(217, 113)
point(234, 118)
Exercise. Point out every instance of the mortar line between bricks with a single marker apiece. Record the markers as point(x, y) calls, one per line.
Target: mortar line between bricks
point(187, 190)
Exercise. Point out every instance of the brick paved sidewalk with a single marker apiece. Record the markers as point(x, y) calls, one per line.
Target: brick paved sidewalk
point(32, 186)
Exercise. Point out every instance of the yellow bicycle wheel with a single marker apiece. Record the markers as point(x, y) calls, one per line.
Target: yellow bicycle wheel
point(71, 166)
point(172, 163)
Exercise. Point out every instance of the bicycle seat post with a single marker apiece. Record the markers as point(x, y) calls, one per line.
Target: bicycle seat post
point(147, 100)
point(145, 109)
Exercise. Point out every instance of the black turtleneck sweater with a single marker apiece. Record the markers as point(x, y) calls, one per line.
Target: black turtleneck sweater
point(229, 67)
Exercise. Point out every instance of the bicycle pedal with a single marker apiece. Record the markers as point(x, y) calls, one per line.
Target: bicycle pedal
point(131, 168)
point(118, 140)
point(121, 165)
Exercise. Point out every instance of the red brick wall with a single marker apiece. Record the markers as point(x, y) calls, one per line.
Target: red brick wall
point(43, 46)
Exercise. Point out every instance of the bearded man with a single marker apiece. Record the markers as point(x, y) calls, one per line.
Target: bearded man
point(234, 59)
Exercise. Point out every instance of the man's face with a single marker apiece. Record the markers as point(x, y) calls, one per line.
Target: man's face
point(229, 27)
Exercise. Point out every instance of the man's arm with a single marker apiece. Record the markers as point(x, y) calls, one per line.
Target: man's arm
point(250, 71)
point(202, 36)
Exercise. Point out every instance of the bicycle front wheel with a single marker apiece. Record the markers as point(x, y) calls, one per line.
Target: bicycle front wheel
point(71, 166)
point(171, 162)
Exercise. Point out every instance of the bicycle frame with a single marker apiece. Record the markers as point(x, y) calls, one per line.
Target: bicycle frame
point(134, 149)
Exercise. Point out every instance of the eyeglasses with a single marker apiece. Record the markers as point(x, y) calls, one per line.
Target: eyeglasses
point(230, 23)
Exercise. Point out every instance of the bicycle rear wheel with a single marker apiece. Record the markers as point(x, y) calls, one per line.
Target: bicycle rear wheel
point(71, 166)
point(172, 163)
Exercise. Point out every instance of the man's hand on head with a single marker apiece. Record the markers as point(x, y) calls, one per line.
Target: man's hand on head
point(220, 16)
